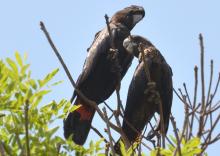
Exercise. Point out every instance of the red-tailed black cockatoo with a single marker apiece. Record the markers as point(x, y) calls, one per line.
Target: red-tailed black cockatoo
point(140, 106)
point(99, 78)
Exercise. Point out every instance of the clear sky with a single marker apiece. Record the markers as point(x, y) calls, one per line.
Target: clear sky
point(173, 26)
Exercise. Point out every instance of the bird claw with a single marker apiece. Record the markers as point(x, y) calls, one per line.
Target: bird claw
point(117, 112)
point(113, 50)
point(151, 88)
point(113, 53)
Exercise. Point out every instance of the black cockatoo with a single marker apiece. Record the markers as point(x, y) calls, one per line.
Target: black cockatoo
point(99, 78)
point(140, 105)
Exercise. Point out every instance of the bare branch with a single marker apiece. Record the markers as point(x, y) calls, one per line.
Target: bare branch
point(186, 121)
point(109, 132)
point(187, 94)
point(210, 81)
point(109, 31)
point(99, 134)
point(176, 135)
point(120, 106)
point(205, 144)
point(201, 120)
point(123, 136)
point(194, 100)
point(215, 91)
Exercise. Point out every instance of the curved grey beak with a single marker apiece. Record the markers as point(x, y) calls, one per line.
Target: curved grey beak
point(129, 45)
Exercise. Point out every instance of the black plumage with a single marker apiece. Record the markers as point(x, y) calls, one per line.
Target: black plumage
point(99, 77)
point(141, 101)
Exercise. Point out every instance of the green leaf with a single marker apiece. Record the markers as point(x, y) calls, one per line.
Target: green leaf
point(12, 64)
point(183, 141)
point(97, 144)
point(24, 69)
point(171, 148)
point(48, 78)
point(74, 107)
point(132, 148)
point(33, 84)
point(166, 152)
point(66, 107)
point(173, 139)
point(153, 153)
point(52, 131)
point(42, 93)
point(122, 148)
point(56, 83)
point(18, 58)
point(29, 93)
point(193, 142)
point(91, 147)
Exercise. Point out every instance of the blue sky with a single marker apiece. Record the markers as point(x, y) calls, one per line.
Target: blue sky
point(173, 26)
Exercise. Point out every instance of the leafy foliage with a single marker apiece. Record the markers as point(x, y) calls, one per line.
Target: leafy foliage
point(25, 123)
point(130, 150)
point(190, 148)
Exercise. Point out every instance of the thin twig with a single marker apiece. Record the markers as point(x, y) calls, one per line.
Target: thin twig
point(217, 138)
point(109, 132)
point(98, 133)
point(176, 135)
point(109, 31)
point(209, 95)
point(194, 100)
point(143, 134)
point(185, 123)
point(210, 81)
point(202, 111)
point(170, 142)
point(162, 124)
point(178, 95)
point(108, 107)
point(127, 122)
point(120, 106)
point(187, 94)
point(213, 109)
point(146, 146)
point(58, 149)
point(2, 151)
point(26, 128)
point(216, 88)
point(107, 149)
point(130, 126)
point(123, 136)
point(205, 144)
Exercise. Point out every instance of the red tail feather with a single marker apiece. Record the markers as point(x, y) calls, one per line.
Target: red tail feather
point(86, 112)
